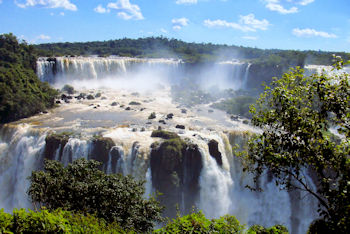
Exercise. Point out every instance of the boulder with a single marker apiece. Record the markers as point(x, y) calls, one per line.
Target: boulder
point(55, 141)
point(214, 151)
point(180, 126)
point(100, 149)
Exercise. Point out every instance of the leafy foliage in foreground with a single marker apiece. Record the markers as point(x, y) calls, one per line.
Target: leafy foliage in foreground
point(57, 221)
point(22, 94)
point(296, 116)
point(82, 187)
point(198, 223)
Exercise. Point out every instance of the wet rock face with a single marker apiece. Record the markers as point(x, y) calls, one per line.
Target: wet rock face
point(176, 167)
point(53, 143)
point(214, 151)
point(100, 149)
point(115, 156)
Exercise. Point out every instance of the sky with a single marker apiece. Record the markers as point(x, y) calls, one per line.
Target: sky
point(272, 24)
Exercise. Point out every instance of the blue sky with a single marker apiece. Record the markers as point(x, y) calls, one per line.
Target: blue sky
point(281, 24)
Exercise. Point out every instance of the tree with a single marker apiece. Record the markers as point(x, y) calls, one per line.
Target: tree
point(82, 187)
point(22, 94)
point(297, 115)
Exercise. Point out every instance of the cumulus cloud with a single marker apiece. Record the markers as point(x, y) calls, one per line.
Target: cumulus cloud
point(179, 23)
point(126, 10)
point(100, 9)
point(275, 5)
point(187, 2)
point(247, 23)
point(305, 2)
point(308, 32)
point(65, 4)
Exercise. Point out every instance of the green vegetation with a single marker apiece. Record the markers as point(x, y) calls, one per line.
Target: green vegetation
point(196, 222)
point(189, 52)
point(134, 103)
point(296, 114)
point(164, 134)
point(61, 221)
point(57, 221)
point(236, 105)
point(22, 94)
point(258, 229)
point(82, 187)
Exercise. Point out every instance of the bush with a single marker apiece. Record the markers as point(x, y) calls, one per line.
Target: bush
point(164, 134)
point(134, 103)
point(198, 223)
point(277, 229)
point(57, 221)
point(82, 187)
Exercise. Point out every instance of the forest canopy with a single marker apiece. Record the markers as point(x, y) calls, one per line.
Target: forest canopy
point(22, 94)
point(189, 52)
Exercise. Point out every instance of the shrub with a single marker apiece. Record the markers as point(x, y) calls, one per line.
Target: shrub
point(57, 221)
point(164, 134)
point(134, 103)
point(82, 187)
point(198, 223)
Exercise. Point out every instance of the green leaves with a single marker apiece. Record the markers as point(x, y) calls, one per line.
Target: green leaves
point(22, 94)
point(298, 116)
point(82, 187)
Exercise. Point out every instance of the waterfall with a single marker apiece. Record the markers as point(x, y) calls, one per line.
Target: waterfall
point(246, 76)
point(221, 189)
point(215, 186)
point(20, 152)
point(68, 69)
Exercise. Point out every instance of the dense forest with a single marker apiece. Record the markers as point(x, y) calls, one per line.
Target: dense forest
point(22, 94)
point(189, 52)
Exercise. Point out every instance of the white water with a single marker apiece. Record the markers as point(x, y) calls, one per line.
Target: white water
point(222, 189)
point(69, 69)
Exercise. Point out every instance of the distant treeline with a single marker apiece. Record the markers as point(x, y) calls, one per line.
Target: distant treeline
point(189, 52)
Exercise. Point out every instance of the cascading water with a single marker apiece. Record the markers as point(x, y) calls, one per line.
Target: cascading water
point(210, 179)
point(68, 69)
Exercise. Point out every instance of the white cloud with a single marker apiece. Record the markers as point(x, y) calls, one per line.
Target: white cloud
point(100, 9)
point(43, 37)
point(275, 5)
point(163, 30)
point(308, 32)
point(250, 38)
point(126, 10)
point(254, 23)
point(187, 2)
point(306, 2)
point(246, 23)
point(179, 23)
point(65, 4)
point(61, 13)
